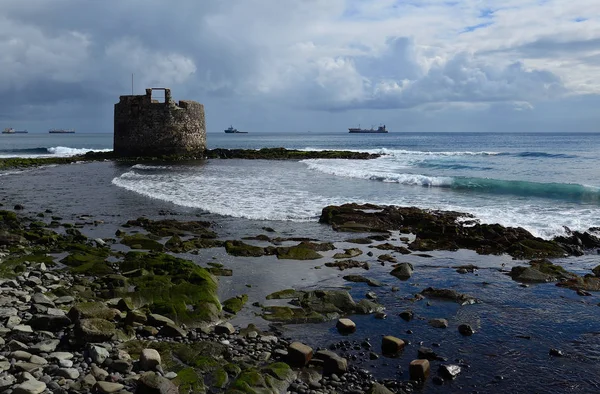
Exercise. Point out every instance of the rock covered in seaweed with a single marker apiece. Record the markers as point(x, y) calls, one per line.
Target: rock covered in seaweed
point(440, 230)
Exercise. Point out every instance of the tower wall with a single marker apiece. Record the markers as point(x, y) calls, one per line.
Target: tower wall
point(147, 127)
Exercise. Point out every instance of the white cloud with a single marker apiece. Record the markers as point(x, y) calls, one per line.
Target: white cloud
point(317, 54)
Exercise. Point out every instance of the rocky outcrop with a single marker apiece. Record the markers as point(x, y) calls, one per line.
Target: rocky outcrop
point(440, 230)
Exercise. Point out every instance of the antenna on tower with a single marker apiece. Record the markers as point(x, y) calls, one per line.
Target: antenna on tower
point(132, 84)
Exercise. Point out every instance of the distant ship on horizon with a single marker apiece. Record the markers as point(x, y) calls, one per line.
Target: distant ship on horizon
point(61, 131)
point(380, 129)
point(10, 130)
point(231, 130)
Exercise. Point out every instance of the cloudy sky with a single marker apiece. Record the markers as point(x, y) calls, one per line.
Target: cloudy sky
point(298, 65)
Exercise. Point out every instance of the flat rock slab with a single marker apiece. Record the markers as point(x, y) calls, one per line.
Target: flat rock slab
point(30, 387)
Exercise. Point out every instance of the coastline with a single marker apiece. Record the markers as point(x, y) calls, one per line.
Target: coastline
point(324, 277)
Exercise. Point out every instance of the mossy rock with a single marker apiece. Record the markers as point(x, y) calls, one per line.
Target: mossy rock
point(239, 248)
point(285, 294)
point(295, 315)
point(280, 370)
point(317, 246)
point(81, 254)
point(203, 356)
point(547, 267)
point(189, 381)
point(536, 248)
point(86, 310)
point(348, 254)
point(170, 227)
point(219, 378)
point(298, 252)
point(16, 264)
point(174, 287)
point(220, 271)
point(235, 304)
point(94, 330)
point(274, 378)
point(141, 241)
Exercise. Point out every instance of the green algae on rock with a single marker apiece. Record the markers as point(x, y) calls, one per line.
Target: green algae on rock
point(317, 306)
point(235, 304)
point(239, 248)
point(142, 241)
point(173, 287)
point(299, 252)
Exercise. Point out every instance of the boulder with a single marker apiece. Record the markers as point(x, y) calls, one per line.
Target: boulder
point(419, 369)
point(299, 354)
point(332, 363)
point(172, 331)
point(49, 322)
point(391, 345)
point(149, 359)
point(108, 387)
point(98, 354)
point(30, 387)
point(157, 320)
point(438, 323)
point(466, 330)
point(403, 271)
point(225, 328)
point(87, 310)
point(345, 325)
point(451, 295)
point(94, 330)
point(449, 371)
point(153, 383)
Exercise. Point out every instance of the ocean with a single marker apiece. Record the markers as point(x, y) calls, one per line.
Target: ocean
point(542, 182)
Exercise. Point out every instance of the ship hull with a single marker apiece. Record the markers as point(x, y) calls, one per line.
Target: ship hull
point(236, 132)
point(367, 132)
point(61, 132)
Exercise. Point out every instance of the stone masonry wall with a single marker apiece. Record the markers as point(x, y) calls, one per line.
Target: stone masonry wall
point(146, 127)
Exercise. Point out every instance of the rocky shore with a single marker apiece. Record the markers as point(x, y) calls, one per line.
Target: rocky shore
point(248, 154)
point(126, 315)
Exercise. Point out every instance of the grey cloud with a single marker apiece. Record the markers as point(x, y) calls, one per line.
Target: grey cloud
point(71, 59)
point(552, 47)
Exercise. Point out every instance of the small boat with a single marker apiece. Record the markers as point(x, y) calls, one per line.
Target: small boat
point(380, 129)
point(61, 131)
point(231, 130)
point(10, 130)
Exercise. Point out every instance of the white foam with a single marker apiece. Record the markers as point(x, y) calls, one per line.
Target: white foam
point(238, 193)
point(404, 152)
point(292, 191)
point(63, 151)
point(373, 170)
point(146, 167)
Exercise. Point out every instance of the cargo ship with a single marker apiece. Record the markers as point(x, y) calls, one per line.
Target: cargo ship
point(61, 131)
point(10, 130)
point(231, 130)
point(380, 129)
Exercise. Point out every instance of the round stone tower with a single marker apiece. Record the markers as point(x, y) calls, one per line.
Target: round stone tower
point(147, 127)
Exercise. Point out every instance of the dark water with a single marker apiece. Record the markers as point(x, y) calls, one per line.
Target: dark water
point(494, 359)
point(541, 182)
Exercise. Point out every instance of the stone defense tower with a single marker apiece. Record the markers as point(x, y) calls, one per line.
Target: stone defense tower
point(147, 127)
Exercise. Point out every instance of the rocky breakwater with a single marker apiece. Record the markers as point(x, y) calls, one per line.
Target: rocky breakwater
point(449, 230)
point(79, 316)
point(218, 153)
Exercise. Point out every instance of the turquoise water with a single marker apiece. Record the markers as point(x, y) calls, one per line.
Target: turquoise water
point(542, 182)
